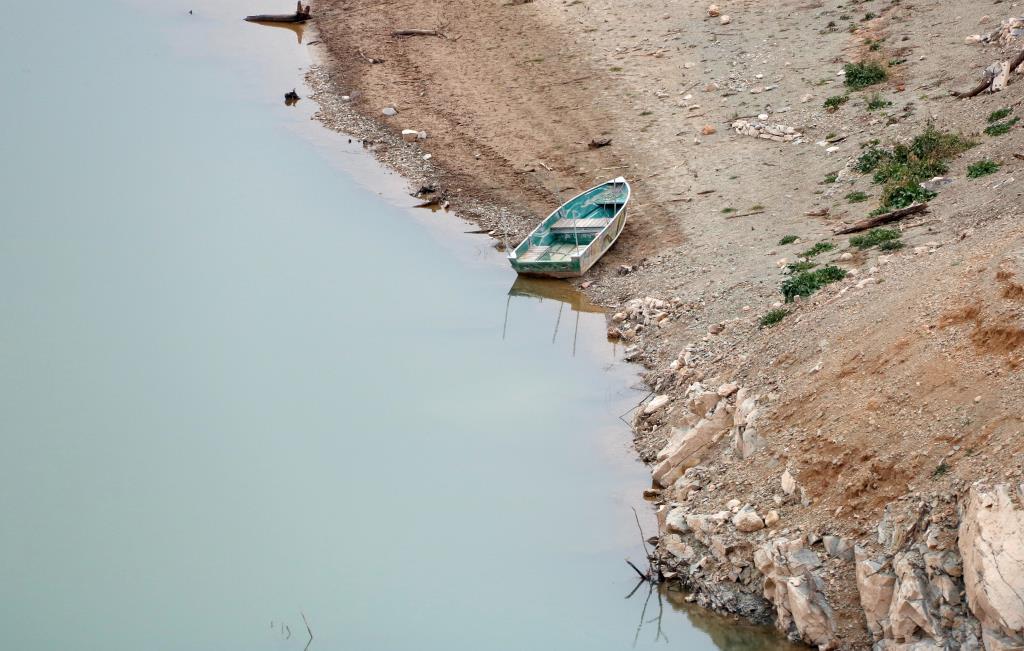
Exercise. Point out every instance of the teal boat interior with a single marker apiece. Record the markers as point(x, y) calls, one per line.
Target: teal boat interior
point(568, 231)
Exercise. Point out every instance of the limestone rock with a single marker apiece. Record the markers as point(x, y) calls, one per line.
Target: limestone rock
point(789, 484)
point(771, 518)
point(410, 135)
point(793, 586)
point(714, 11)
point(675, 521)
point(748, 521)
point(691, 445)
point(991, 543)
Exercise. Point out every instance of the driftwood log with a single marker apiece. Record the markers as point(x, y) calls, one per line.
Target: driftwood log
point(887, 218)
point(997, 77)
point(301, 15)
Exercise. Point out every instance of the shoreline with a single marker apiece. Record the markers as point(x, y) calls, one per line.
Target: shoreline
point(778, 459)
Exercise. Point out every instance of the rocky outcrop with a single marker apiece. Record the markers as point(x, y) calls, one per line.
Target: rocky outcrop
point(992, 546)
point(911, 586)
point(709, 418)
point(796, 591)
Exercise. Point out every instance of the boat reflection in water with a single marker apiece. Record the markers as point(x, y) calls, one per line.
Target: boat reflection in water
point(546, 290)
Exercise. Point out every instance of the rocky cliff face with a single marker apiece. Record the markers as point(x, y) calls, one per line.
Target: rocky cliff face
point(940, 572)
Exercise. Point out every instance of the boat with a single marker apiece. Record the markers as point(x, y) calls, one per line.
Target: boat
point(575, 236)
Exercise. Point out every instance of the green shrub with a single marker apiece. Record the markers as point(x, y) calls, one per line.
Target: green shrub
point(1002, 113)
point(833, 103)
point(875, 237)
point(901, 169)
point(864, 74)
point(774, 317)
point(830, 178)
point(788, 239)
point(891, 245)
point(982, 168)
point(1001, 128)
point(906, 194)
point(808, 282)
point(857, 197)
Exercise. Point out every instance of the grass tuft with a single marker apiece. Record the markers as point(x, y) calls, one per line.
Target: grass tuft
point(774, 317)
point(891, 245)
point(788, 239)
point(817, 249)
point(808, 282)
point(857, 197)
point(877, 102)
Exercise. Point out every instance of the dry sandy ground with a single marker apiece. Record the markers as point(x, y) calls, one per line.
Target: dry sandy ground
point(867, 391)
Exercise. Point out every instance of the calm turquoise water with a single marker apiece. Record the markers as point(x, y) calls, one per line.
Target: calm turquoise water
point(238, 384)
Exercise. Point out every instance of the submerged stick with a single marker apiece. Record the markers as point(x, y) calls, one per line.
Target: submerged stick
point(308, 630)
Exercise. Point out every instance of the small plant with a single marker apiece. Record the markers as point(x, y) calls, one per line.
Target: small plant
point(808, 282)
point(818, 249)
point(875, 237)
point(1001, 114)
point(982, 168)
point(788, 239)
point(875, 47)
point(726, 211)
point(646, 113)
point(774, 317)
point(940, 470)
point(830, 178)
point(833, 103)
point(895, 197)
point(615, 69)
point(891, 245)
point(870, 16)
point(857, 197)
point(1001, 128)
point(864, 74)
point(896, 62)
point(877, 102)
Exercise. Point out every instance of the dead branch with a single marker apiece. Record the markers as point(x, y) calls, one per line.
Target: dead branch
point(308, 629)
point(887, 218)
point(977, 90)
point(419, 32)
point(636, 569)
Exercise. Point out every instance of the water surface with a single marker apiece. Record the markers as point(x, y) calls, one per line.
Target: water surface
point(242, 380)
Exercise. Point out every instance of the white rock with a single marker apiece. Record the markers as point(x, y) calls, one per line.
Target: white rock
point(410, 135)
point(725, 20)
point(713, 11)
point(748, 521)
point(771, 518)
point(728, 389)
point(656, 404)
point(846, 256)
point(788, 483)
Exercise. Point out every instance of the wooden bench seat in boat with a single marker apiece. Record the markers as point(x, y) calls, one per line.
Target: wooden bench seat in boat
point(588, 223)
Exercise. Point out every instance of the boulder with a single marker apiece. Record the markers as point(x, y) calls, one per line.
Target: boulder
point(675, 521)
point(771, 518)
point(410, 135)
point(747, 520)
point(991, 541)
